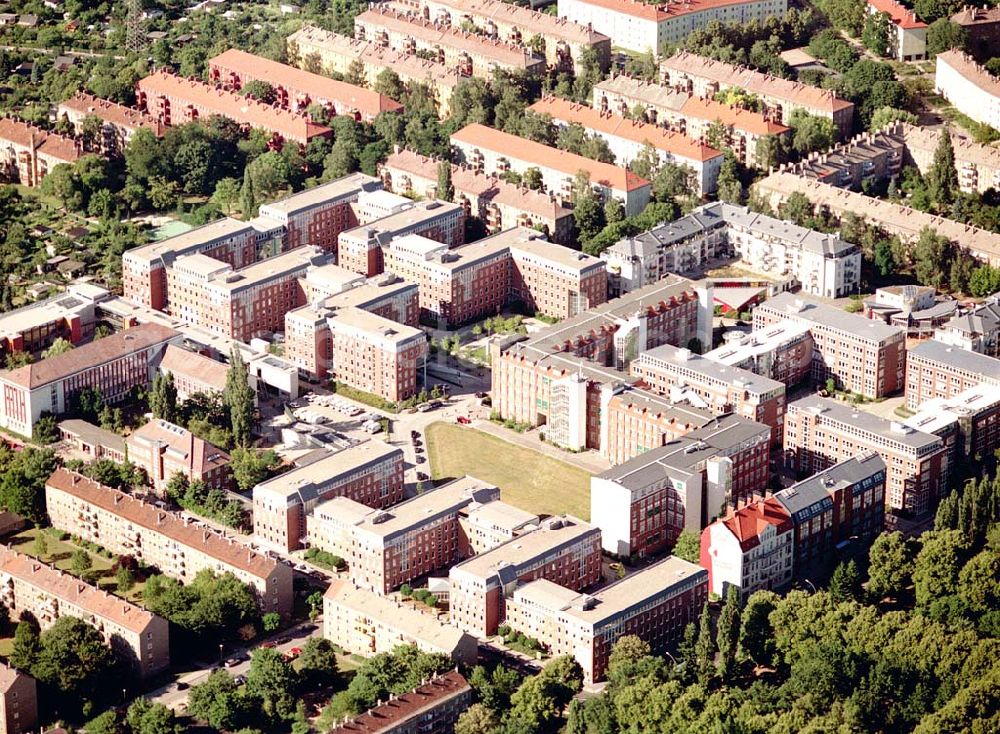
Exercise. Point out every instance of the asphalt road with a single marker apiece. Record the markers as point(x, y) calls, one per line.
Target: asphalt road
point(176, 699)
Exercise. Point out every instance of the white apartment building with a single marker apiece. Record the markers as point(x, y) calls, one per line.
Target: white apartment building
point(968, 86)
point(495, 152)
point(628, 138)
point(823, 264)
point(642, 27)
point(907, 33)
point(751, 549)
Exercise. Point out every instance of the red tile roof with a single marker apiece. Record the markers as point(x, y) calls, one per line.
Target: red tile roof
point(228, 552)
point(736, 117)
point(111, 112)
point(523, 149)
point(749, 522)
point(212, 101)
point(639, 132)
point(407, 706)
point(249, 67)
point(74, 591)
point(26, 135)
point(898, 14)
point(137, 339)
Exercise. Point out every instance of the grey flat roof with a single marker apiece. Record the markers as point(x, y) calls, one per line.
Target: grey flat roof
point(936, 351)
point(680, 456)
point(892, 430)
point(526, 548)
point(684, 358)
point(799, 306)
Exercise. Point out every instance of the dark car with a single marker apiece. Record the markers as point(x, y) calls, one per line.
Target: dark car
point(282, 640)
point(240, 680)
point(182, 686)
point(235, 660)
point(421, 459)
point(421, 477)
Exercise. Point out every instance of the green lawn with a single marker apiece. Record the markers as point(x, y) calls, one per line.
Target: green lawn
point(528, 479)
point(59, 555)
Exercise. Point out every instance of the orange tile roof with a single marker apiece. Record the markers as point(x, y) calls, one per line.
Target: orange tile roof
point(749, 522)
point(74, 591)
point(898, 14)
point(414, 26)
point(196, 367)
point(291, 125)
point(137, 339)
point(736, 117)
point(603, 174)
point(492, 188)
point(639, 132)
point(25, 134)
point(398, 710)
point(111, 112)
point(170, 524)
point(366, 101)
point(731, 75)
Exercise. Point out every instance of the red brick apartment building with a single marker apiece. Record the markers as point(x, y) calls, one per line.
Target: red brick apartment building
point(654, 604)
point(240, 304)
point(500, 205)
point(28, 153)
point(565, 376)
point(296, 90)
point(174, 100)
point(643, 504)
point(387, 548)
point(163, 449)
point(433, 707)
point(118, 122)
point(312, 217)
point(670, 370)
point(361, 249)
point(28, 586)
point(820, 432)
point(564, 550)
point(126, 525)
point(938, 370)
point(362, 332)
point(478, 279)
point(862, 355)
point(370, 473)
point(630, 420)
point(115, 365)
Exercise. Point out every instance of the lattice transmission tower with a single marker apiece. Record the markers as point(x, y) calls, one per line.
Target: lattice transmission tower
point(135, 27)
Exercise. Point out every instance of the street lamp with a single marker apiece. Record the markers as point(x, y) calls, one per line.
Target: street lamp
point(220, 653)
point(811, 585)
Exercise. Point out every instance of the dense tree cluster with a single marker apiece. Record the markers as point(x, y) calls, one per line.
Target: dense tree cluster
point(210, 608)
point(22, 481)
point(77, 669)
point(211, 502)
point(397, 672)
point(916, 650)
